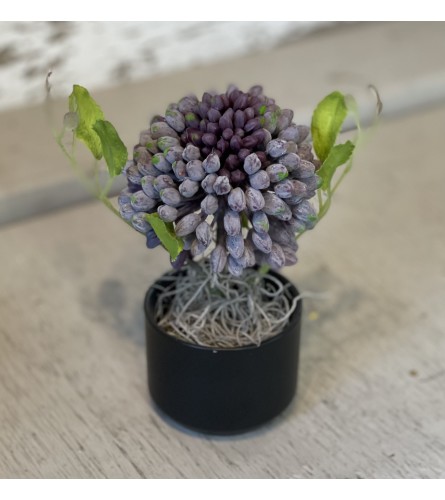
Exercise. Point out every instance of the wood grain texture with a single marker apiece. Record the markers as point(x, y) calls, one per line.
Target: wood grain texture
point(73, 392)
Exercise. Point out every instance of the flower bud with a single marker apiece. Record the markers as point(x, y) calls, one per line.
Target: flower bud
point(197, 248)
point(139, 222)
point(276, 148)
point(252, 164)
point(179, 170)
point(162, 182)
point(173, 154)
point(218, 259)
point(232, 222)
point(273, 205)
point(126, 211)
point(277, 172)
point(167, 213)
point(124, 197)
point(260, 222)
point(175, 119)
point(289, 256)
point(222, 185)
point(305, 212)
point(161, 163)
point(237, 200)
point(195, 170)
point(170, 196)
point(191, 152)
point(304, 170)
point(167, 142)
point(276, 258)
point(152, 240)
point(147, 183)
point(134, 175)
point(188, 188)
point(148, 169)
point(248, 257)
point(303, 133)
point(289, 133)
point(161, 129)
point(254, 199)
point(235, 266)
point(141, 202)
point(187, 104)
point(260, 180)
point(262, 241)
point(235, 245)
point(284, 120)
point(209, 205)
point(140, 155)
point(187, 224)
point(212, 163)
point(204, 233)
point(208, 183)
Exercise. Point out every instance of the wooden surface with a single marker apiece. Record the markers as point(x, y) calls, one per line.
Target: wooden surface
point(73, 392)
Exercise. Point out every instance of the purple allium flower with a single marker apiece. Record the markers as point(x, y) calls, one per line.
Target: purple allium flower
point(231, 170)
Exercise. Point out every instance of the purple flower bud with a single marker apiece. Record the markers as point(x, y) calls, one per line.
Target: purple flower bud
point(124, 197)
point(208, 183)
point(256, 90)
point(167, 213)
point(304, 170)
point(162, 182)
point(232, 162)
point(148, 170)
point(248, 257)
point(161, 163)
point(180, 260)
point(170, 196)
point(162, 129)
point(260, 180)
point(232, 223)
point(141, 202)
point(197, 248)
point(291, 161)
point(276, 148)
point(188, 240)
point(235, 245)
point(226, 120)
point(227, 134)
point(187, 224)
point(285, 119)
point(296, 225)
point(289, 133)
point(249, 113)
point(249, 143)
point(218, 259)
point(262, 241)
point(252, 164)
point(222, 185)
point(191, 153)
point(254, 199)
point(222, 145)
point(237, 200)
point(147, 141)
point(296, 199)
point(269, 121)
point(284, 189)
point(312, 183)
point(126, 211)
point(214, 115)
point(276, 206)
point(235, 266)
point(173, 154)
point(179, 169)
point(139, 222)
point(134, 175)
point(188, 188)
point(240, 102)
point(167, 142)
point(195, 136)
point(305, 212)
point(239, 119)
point(282, 233)
point(303, 133)
point(152, 240)
point(253, 124)
point(186, 104)
point(203, 126)
point(213, 128)
point(191, 120)
point(237, 177)
point(209, 205)
point(289, 256)
point(277, 172)
point(140, 155)
point(203, 109)
point(260, 222)
point(195, 170)
point(236, 143)
point(148, 186)
point(175, 119)
point(276, 258)
point(292, 147)
point(204, 233)
point(209, 139)
point(212, 163)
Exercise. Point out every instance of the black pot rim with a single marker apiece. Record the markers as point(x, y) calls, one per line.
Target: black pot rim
point(292, 319)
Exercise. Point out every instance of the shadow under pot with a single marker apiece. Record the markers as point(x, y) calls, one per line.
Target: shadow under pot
point(220, 390)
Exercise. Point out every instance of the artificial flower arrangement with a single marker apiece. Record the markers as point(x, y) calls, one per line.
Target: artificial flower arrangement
point(225, 184)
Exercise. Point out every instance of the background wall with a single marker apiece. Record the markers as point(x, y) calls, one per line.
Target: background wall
point(103, 55)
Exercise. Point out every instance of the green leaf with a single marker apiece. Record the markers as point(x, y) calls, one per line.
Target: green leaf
point(327, 120)
point(338, 156)
point(165, 232)
point(89, 112)
point(113, 149)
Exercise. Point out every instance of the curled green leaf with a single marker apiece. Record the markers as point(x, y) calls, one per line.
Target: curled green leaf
point(88, 112)
point(327, 120)
point(165, 232)
point(338, 156)
point(113, 149)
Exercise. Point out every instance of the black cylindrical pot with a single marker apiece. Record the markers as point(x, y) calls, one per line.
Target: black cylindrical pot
point(222, 391)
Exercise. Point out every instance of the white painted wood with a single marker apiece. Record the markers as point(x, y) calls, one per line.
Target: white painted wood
point(73, 393)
